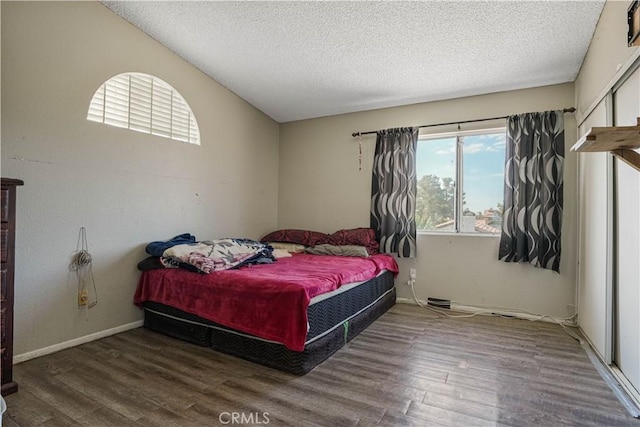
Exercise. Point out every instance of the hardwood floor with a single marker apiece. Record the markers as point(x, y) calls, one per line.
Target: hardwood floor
point(411, 367)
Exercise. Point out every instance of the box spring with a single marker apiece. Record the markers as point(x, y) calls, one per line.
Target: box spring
point(333, 322)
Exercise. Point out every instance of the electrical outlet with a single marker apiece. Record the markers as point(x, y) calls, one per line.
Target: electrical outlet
point(412, 273)
point(83, 297)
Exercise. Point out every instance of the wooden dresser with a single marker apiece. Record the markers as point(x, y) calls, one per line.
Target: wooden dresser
point(8, 238)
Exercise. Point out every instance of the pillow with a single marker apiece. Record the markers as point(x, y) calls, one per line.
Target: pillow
point(356, 236)
point(288, 247)
point(345, 250)
point(300, 237)
point(281, 253)
point(150, 263)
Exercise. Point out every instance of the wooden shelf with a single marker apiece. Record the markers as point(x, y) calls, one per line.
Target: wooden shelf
point(619, 141)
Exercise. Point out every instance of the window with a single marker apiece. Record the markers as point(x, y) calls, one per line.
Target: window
point(460, 182)
point(145, 104)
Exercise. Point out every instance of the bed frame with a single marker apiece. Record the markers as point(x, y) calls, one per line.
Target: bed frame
point(333, 321)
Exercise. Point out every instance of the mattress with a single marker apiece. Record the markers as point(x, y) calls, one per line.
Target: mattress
point(267, 300)
point(334, 319)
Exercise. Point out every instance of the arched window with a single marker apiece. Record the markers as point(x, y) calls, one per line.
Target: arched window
point(145, 104)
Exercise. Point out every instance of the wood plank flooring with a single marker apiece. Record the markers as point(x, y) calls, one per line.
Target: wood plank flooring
point(410, 368)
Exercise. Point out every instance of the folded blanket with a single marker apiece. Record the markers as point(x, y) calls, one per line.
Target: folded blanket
point(216, 255)
point(157, 248)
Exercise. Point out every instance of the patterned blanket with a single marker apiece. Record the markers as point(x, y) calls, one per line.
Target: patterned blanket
point(217, 255)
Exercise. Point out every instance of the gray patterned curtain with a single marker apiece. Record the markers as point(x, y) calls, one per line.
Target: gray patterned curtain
point(393, 191)
point(533, 184)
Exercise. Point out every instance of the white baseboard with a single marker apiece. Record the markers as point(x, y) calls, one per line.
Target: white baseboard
point(497, 311)
point(75, 342)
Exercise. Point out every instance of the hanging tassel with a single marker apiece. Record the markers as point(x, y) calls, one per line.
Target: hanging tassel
point(359, 152)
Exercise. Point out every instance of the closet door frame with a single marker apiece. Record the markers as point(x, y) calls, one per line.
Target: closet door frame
point(614, 342)
point(608, 356)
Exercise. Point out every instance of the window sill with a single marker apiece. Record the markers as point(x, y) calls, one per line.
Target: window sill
point(446, 234)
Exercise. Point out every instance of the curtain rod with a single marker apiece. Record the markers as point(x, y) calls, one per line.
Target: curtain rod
point(354, 134)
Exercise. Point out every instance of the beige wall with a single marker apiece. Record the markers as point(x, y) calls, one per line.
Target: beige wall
point(129, 188)
point(607, 53)
point(322, 189)
point(126, 188)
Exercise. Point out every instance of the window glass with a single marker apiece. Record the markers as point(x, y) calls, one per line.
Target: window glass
point(435, 172)
point(460, 180)
point(483, 183)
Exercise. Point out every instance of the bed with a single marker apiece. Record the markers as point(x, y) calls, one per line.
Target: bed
point(291, 314)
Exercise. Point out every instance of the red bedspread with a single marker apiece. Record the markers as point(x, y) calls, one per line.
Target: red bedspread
point(269, 300)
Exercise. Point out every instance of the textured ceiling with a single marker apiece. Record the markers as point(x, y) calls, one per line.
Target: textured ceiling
point(297, 60)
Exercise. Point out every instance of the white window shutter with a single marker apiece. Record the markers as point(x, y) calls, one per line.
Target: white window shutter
point(116, 105)
point(146, 104)
point(140, 104)
point(96, 108)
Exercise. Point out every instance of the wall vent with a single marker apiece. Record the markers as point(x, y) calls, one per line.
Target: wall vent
point(440, 303)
